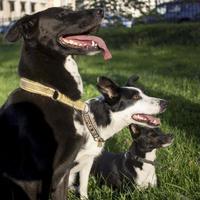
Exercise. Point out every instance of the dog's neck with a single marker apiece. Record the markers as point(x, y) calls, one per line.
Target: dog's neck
point(136, 152)
point(48, 69)
point(108, 122)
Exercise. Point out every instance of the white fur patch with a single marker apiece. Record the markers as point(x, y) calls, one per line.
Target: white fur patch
point(80, 129)
point(147, 175)
point(72, 68)
point(85, 160)
point(167, 144)
point(93, 53)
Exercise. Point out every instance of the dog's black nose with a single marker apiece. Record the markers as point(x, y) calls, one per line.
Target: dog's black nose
point(100, 12)
point(170, 138)
point(163, 104)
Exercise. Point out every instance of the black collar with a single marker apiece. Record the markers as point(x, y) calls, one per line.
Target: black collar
point(139, 159)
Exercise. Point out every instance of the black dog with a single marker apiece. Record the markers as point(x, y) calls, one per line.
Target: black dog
point(38, 141)
point(137, 164)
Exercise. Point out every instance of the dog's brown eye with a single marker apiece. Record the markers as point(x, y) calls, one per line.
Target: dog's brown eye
point(136, 97)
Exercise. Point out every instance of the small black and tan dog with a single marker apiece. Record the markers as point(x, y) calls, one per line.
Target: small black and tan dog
point(137, 165)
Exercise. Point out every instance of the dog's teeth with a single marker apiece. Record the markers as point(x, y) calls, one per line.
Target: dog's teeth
point(140, 117)
point(93, 43)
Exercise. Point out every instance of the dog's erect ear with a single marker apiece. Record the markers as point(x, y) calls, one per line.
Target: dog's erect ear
point(131, 81)
point(23, 27)
point(107, 87)
point(134, 130)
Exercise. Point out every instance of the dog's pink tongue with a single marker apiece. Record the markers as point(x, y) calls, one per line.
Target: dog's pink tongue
point(101, 44)
point(153, 120)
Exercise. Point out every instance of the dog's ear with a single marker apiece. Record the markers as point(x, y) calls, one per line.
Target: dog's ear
point(107, 87)
point(134, 130)
point(131, 81)
point(23, 27)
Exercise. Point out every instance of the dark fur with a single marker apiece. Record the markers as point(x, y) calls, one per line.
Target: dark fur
point(38, 139)
point(116, 169)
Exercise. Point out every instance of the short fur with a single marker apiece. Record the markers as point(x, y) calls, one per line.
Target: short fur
point(39, 140)
point(119, 169)
point(112, 112)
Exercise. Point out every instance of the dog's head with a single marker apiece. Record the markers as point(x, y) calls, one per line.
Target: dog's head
point(129, 104)
point(147, 139)
point(61, 30)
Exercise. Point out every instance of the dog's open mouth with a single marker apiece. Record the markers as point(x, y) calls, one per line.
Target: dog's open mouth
point(86, 42)
point(148, 119)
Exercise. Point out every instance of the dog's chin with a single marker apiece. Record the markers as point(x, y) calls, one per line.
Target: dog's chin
point(92, 53)
point(149, 121)
point(166, 144)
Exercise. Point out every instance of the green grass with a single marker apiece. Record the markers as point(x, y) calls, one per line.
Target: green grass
point(171, 72)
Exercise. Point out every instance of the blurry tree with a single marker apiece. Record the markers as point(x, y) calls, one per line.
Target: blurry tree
point(116, 7)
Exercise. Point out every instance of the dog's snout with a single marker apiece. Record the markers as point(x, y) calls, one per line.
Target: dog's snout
point(170, 136)
point(100, 12)
point(163, 104)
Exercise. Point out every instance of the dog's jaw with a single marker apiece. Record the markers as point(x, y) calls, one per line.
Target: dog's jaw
point(86, 43)
point(148, 119)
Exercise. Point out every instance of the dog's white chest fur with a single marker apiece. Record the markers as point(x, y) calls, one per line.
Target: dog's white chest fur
point(147, 175)
point(72, 68)
point(88, 152)
point(85, 160)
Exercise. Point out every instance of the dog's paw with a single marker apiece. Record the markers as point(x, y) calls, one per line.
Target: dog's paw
point(84, 197)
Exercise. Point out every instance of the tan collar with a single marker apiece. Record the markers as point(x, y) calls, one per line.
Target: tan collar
point(38, 88)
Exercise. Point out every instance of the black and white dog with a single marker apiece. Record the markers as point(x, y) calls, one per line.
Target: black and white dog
point(137, 165)
point(117, 108)
point(39, 139)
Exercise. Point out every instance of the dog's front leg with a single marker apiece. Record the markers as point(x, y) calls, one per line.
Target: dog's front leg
point(59, 187)
point(84, 178)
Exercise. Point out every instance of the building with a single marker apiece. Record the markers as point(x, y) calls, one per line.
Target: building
point(14, 9)
point(68, 3)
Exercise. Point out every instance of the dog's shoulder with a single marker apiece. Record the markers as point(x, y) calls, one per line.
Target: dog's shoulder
point(35, 151)
point(107, 162)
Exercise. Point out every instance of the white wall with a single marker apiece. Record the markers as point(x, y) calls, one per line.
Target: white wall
point(6, 14)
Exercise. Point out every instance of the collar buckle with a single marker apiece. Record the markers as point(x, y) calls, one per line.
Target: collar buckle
point(56, 95)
